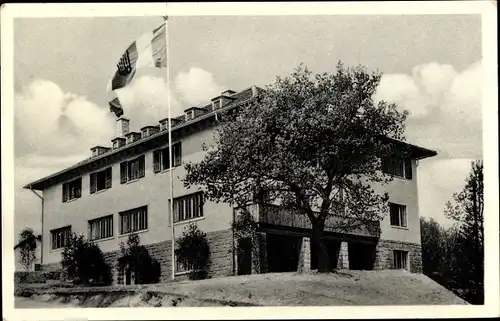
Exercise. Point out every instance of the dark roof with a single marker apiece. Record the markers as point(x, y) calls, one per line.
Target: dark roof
point(149, 126)
point(416, 152)
point(191, 108)
point(240, 98)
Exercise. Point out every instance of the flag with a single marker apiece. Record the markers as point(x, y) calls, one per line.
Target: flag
point(150, 50)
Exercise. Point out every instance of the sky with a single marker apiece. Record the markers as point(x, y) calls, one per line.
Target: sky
point(431, 65)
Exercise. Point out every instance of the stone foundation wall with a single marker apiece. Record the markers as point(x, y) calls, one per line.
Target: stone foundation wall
point(384, 258)
point(36, 277)
point(221, 254)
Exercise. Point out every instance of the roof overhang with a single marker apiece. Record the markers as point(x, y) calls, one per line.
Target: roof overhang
point(416, 152)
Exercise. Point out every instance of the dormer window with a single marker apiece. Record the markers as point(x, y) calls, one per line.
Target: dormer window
point(118, 142)
point(132, 137)
point(99, 150)
point(216, 104)
point(149, 130)
point(164, 123)
point(189, 115)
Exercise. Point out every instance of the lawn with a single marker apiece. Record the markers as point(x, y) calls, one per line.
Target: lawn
point(387, 287)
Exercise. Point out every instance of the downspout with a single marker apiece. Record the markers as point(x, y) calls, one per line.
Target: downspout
point(41, 240)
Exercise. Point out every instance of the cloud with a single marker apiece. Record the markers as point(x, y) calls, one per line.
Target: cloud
point(55, 129)
point(444, 104)
point(445, 115)
point(51, 122)
point(145, 101)
point(30, 168)
point(197, 86)
point(437, 181)
point(146, 98)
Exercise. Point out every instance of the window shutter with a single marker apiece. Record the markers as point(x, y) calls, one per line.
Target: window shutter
point(394, 214)
point(142, 166)
point(108, 177)
point(93, 183)
point(408, 169)
point(177, 154)
point(123, 172)
point(156, 161)
point(78, 191)
point(65, 193)
point(385, 165)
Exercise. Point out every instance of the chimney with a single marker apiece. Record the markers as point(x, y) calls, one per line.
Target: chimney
point(122, 127)
point(149, 130)
point(99, 150)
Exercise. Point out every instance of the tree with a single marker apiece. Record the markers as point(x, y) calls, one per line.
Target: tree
point(27, 247)
point(467, 210)
point(314, 142)
point(83, 261)
point(193, 251)
point(136, 257)
point(433, 250)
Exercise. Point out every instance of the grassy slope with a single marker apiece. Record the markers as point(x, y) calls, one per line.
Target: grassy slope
point(389, 287)
point(344, 288)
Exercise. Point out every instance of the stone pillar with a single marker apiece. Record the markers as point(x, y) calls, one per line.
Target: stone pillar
point(259, 253)
point(305, 255)
point(343, 257)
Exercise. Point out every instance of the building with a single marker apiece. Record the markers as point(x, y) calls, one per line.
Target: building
point(124, 189)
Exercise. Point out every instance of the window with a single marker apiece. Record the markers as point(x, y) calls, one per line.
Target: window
point(181, 267)
point(401, 260)
point(72, 190)
point(263, 196)
point(101, 228)
point(132, 169)
point(100, 180)
point(134, 220)
point(397, 167)
point(161, 158)
point(398, 215)
point(60, 237)
point(188, 207)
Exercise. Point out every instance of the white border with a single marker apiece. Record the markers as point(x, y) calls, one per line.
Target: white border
point(490, 129)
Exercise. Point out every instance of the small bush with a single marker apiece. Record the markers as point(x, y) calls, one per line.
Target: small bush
point(136, 258)
point(193, 251)
point(83, 261)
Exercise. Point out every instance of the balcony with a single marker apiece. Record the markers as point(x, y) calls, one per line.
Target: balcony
point(274, 215)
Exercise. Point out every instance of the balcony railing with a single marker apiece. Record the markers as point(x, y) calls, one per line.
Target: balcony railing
point(279, 216)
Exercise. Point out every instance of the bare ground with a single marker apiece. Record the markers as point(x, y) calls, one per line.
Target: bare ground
point(389, 287)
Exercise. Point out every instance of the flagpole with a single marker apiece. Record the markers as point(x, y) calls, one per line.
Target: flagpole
point(171, 210)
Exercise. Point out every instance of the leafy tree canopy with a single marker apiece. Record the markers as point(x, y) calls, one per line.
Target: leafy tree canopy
point(315, 142)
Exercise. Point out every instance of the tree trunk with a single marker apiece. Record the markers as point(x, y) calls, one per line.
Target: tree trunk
point(324, 265)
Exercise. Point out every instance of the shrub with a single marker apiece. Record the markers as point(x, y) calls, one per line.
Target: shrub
point(83, 261)
point(27, 248)
point(193, 251)
point(136, 258)
point(248, 242)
